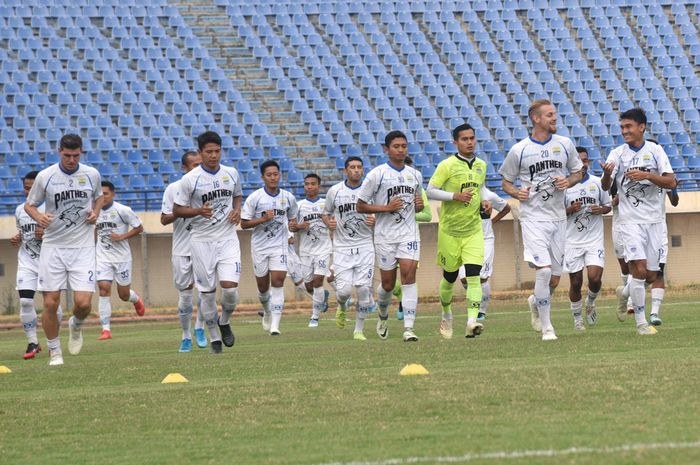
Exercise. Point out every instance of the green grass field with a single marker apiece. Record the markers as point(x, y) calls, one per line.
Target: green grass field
point(317, 396)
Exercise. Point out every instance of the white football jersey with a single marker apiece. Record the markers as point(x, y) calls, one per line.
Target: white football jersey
point(640, 202)
point(116, 218)
point(380, 186)
point(498, 204)
point(351, 228)
point(536, 164)
point(181, 226)
point(584, 229)
point(218, 189)
point(272, 235)
point(315, 240)
point(30, 247)
point(70, 198)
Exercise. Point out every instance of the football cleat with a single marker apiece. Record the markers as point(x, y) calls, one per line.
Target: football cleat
point(578, 325)
point(185, 345)
point(446, 328)
point(646, 330)
point(106, 334)
point(227, 335)
point(75, 338)
point(216, 347)
point(32, 350)
point(340, 318)
point(139, 307)
point(359, 336)
point(473, 330)
point(200, 337)
point(383, 328)
point(481, 316)
point(55, 357)
point(655, 320)
point(275, 332)
point(621, 304)
point(313, 323)
point(266, 321)
point(591, 315)
point(534, 313)
point(409, 335)
point(549, 334)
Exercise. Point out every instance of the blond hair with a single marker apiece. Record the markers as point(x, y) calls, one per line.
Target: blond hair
point(536, 105)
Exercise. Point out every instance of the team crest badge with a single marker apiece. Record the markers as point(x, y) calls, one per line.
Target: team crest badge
point(82, 181)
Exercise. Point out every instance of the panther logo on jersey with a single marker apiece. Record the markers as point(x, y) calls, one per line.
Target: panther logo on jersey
point(401, 215)
point(636, 192)
point(219, 213)
point(546, 188)
point(582, 221)
point(105, 238)
point(314, 233)
point(271, 228)
point(352, 226)
point(32, 247)
point(71, 215)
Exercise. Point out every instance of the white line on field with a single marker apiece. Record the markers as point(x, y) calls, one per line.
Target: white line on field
point(527, 453)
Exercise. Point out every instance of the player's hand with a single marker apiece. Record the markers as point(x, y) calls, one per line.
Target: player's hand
point(523, 194)
point(332, 223)
point(576, 206)
point(303, 225)
point(114, 237)
point(370, 220)
point(418, 202)
point(267, 215)
point(464, 196)
point(91, 217)
point(39, 233)
point(396, 204)
point(607, 167)
point(206, 211)
point(234, 217)
point(291, 240)
point(616, 201)
point(486, 205)
point(293, 225)
point(637, 175)
point(597, 210)
point(561, 183)
point(16, 240)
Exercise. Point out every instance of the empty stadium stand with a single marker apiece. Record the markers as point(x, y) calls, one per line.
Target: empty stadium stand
point(308, 83)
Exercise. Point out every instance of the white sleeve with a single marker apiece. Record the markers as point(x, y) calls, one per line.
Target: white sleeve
point(166, 207)
point(248, 210)
point(573, 162)
point(293, 208)
point(37, 194)
point(97, 184)
point(435, 193)
point(369, 187)
point(662, 162)
point(131, 218)
point(604, 197)
point(496, 202)
point(237, 189)
point(510, 169)
point(183, 193)
point(329, 206)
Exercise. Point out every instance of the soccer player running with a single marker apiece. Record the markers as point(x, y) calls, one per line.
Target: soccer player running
point(181, 257)
point(353, 250)
point(639, 168)
point(271, 213)
point(211, 195)
point(546, 164)
point(114, 256)
point(392, 191)
point(72, 194)
point(585, 243)
point(457, 183)
point(314, 245)
point(28, 240)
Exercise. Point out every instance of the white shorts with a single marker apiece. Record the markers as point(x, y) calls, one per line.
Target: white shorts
point(60, 268)
point(265, 262)
point(183, 276)
point(543, 243)
point(575, 259)
point(353, 267)
point(213, 262)
point(295, 270)
point(318, 265)
point(27, 279)
point(388, 255)
point(119, 272)
point(645, 242)
point(617, 242)
point(487, 267)
point(664, 255)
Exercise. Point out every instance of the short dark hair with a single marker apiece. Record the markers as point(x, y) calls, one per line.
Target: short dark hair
point(635, 114)
point(186, 155)
point(389, 138)
point(313, 175)
point(408, 161)
point(351, 159)
point(71, 142)
point(460, 128)
point(653, 141)
point(31, 175)
point(268, 163)
point(580, 149)
point(108, 185)
point(208, 137)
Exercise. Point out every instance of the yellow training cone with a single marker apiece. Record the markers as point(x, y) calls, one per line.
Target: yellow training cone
point(174, 378)
point(413, 369)
point(4, 370)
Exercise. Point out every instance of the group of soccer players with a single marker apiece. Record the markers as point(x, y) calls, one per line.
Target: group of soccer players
point(361, 220)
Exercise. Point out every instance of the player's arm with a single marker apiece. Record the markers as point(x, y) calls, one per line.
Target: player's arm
point(563, 183)
point(166, 211)
point(608, 166)
point(127, 235)
point(167, 218)
point(95, 212)
point(235, 215)
point(522, 194)
point(43, 219)
point(673, 195)
point(394, 205)
point(501, 213)
point(263, 218)
point(183, 211)
point(425, 215)
point(573, 208)
point(664, 181)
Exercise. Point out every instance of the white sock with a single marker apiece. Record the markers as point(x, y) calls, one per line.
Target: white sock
point(576, 308)
point(590, 298)
point(264, 298)
point(184, 312)
point(409, 301)
point(27, 315)
point(276, 307)
point(229, 300)
point(133, 296)
point(210, 314)
point(485, 297)
point(53, 344)
point(542, 277)
point(75, 322)
point(59, 315)
point(657, 298)
point(317, 298)
point(625, 278)
point(638, 294)
point(199, 321)
point(383, 300)
point(105, 310)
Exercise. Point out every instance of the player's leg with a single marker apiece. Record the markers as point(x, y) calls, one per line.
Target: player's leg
point(658, 290)
point(536, 253)
point(472, 254)
point(486, 271)
point(81, 278)
point(204, 263)
point(595, 261)
point(575, 285)
point(183, 280)
point(619, 248)
point(122, 276)
point(386, 257)
point(26, 285)
point(362, 279)
point(409, 289)
point(228, 270)
point(343, 279)
point(53, 276)
point(635, 237)
point(261, 269)
point(449, 258)
point(276, 299)
point(104, 287)
point(485, 298)
point(399, 296)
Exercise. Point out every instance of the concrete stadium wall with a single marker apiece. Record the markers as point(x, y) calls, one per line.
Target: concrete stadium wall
point(509, 270)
